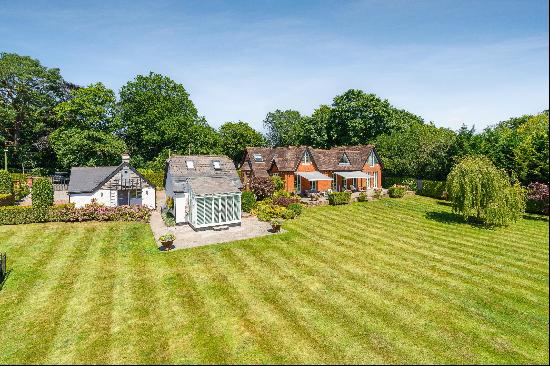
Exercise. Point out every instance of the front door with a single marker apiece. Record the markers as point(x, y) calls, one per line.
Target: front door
point(123, 197)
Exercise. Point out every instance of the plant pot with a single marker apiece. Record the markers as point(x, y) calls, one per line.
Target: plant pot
point(275, 228)
point(167, 245)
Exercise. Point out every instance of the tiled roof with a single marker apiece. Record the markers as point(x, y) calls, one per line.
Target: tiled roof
point(288, 158)
point(203, 167)
point(88, 179)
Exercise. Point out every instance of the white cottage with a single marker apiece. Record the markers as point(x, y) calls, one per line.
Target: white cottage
point(204, 190)
point(110, 185)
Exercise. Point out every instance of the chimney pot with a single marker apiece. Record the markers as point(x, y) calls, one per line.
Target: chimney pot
point(126, 158)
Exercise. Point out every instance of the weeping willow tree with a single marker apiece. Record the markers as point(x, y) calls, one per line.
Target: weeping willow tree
point(478, 190)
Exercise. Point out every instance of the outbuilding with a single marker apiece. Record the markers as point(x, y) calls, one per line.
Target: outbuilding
point(110, 186)
point(203, 191)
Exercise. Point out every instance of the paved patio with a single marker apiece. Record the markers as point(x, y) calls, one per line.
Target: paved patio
point(186, 237)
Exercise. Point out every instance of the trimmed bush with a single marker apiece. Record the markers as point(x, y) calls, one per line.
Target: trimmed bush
point(397, 191)
point(156, 177)
point(6, 185)
point(266, 211)
point(362, 197)
point(6, 199)
point(42, 193)
point(248, 200)
point(433, 188)
point(280, 193)
point(378, 193)
point(296, 207)
point(15, 215)
point(387, 182)
point(339, 198)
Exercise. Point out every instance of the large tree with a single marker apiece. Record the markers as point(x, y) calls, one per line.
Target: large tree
point(235, 137)
point(88, 126)
point(284, 128)
point(421, 150)
point(314, 128)
point(357, 117)
point(157, 114)
point(28, 93)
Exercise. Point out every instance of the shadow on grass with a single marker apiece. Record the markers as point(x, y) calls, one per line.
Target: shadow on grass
point(444, 203)
point(535, 217)
point(452, 218)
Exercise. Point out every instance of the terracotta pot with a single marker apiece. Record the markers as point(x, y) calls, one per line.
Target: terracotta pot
point(167, 244)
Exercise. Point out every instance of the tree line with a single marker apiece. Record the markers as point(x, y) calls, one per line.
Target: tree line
point(50, 123)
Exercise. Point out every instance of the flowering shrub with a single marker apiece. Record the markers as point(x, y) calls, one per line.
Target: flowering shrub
point(285, 201)
point(262, 187)
point(537, 198)
point(97, 212)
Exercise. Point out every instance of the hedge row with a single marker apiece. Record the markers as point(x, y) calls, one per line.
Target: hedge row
point(339, 198)
point(433, 188)
point(156, 177)
point(14, 215)
point(6, 186)
point(6, 199)
point(387, 182)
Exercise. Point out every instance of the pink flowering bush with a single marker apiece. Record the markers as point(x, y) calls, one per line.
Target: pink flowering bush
point(286, 201)
point(537, 198)
point(97, 212)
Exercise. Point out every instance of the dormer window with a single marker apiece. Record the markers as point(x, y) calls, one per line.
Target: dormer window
point(306, 159)
point(190, 164)
point(372, 159)
point(344, 160)
point(216, 164)
point(258, 158)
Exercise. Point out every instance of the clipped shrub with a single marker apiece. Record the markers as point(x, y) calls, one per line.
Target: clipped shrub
point(262, 187)
point(339, 198)
point(285, 201)
point(289, 214)
point(378, 193)
point(168, 218)
point(433, 188)
point(265, 210)
point(42, 193)
point(6, 199)
point(537, 198)
point(397, 191)
point(278, 182)
point(362, 197)
point(155, 177)
point(296, 207)
point(248, 200)
point(21, 190)
point(6, 185)
point(15, 215)
point(280, 193)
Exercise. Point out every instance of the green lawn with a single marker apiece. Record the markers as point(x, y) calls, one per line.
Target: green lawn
point(391, 281)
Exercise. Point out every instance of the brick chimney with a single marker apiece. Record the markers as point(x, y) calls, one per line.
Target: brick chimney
point(125, 158)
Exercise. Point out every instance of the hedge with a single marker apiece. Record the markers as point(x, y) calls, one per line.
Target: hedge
point(248, 200)
point(387, 182)
point(42, 193)
point(397, 191)
point(155, 177)
point(433, 188)
point(6, 199)
point(6, 185)
point(339, 198)
point(14, 215)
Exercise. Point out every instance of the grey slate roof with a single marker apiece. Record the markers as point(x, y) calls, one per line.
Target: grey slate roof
point(203, 178)
point(87, 179)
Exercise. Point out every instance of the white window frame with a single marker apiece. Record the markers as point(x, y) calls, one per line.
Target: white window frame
point(258, 158)
point(190, 164)
point(217, 165)
point(306, 159)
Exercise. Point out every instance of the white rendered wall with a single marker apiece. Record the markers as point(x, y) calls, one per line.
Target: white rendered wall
point(101, 196)
point(181, 201)
point(148, 197)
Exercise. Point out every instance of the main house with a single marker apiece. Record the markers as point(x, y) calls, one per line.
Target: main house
point(110, 186)
point(203, 190)
point(305, 169)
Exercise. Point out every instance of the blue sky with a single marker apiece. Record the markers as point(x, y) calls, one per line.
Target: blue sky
point(451, 62)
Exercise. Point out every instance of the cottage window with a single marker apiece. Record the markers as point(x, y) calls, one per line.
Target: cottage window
point(258, 158)
point(217, 165)
point(190, 164)
point(306, 159)
point(372, 159)
point(344, 160)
